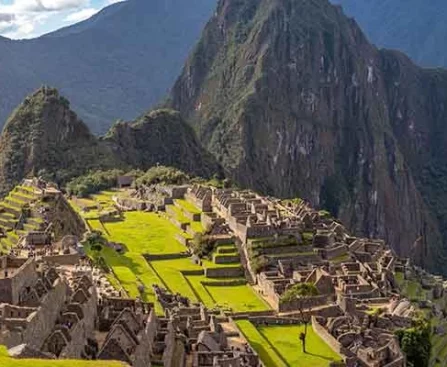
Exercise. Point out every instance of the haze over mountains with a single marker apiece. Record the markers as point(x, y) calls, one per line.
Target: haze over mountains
point(416, 27)
point(114, 65)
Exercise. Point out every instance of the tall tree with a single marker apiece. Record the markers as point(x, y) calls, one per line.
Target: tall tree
point(302, 292)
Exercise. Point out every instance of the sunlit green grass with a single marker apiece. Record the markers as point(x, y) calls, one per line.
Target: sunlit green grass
point(170, 272)
point(178, 214)
point(285, 339)
point(268, 355)
point(191, 208)
point(197, 227)
point(146, 233)
point(279, 345)
point(238, 298)
point(6, 361)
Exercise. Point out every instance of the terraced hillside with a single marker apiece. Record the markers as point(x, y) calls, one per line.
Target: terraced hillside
point(18, 215)
point(155, 252)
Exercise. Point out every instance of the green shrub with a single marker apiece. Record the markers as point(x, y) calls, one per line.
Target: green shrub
point(93, 182)
point(299, 290)
point(416, 343)
point(258, 263)
point(202, 245)
point(162, 175)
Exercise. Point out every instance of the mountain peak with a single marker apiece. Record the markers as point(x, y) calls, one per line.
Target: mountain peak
point(43, 133)
point(292, 99)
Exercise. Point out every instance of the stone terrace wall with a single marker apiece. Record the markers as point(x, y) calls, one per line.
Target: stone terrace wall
point(328, 338)
point(306, 303)
point(70, 259)
point(228, 272)
point(259, 320)
point(226, 259)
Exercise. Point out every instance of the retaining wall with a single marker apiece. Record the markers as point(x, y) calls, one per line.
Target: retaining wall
point(229, 272)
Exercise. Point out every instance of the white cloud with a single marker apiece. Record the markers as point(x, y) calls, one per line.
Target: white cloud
point(80, 15)
point(31, 18)
point(34, 6)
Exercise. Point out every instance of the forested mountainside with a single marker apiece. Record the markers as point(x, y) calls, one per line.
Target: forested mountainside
point(44, 137)
point(112, 66)
point(293, 100)
point(415, 27)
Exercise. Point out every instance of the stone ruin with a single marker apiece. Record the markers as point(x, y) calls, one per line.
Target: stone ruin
point(204, 335)
point(365, 339)
point(349, 273)
point(150, 198)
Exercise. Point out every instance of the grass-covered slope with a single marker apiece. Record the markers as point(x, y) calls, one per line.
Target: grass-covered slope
point(279, 345)
point(155, 234)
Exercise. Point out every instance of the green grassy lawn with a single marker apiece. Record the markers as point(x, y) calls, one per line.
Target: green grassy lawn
point(6, 361)
point(146, 233)
point(96, 225)
point(197, 227)
point(170, 272)
point(284, 340)
point(151, 233)
point(179, 215)
point(200, 291)
point(239, 298)
point(266, 352)
point(189, 207)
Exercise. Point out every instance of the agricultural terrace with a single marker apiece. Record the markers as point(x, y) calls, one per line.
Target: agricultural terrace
point(11, 208)
point(145, 234)
point(276, 350)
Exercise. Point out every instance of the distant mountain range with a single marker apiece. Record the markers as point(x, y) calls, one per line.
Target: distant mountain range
point(113, 66)
point(416, 27)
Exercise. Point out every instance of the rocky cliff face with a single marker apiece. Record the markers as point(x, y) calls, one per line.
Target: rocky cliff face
point(45, 137)
point(293, 100)
point(160, 137)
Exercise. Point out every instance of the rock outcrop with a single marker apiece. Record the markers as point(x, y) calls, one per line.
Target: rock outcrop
point(293, 100)
point(44, 137)
point(160, 137)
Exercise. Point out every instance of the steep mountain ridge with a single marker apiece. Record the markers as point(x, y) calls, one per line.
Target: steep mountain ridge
point(112, 66)
point(293, 100)
point(45, 137)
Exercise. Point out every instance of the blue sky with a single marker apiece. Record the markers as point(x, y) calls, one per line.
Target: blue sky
point(31, 18)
